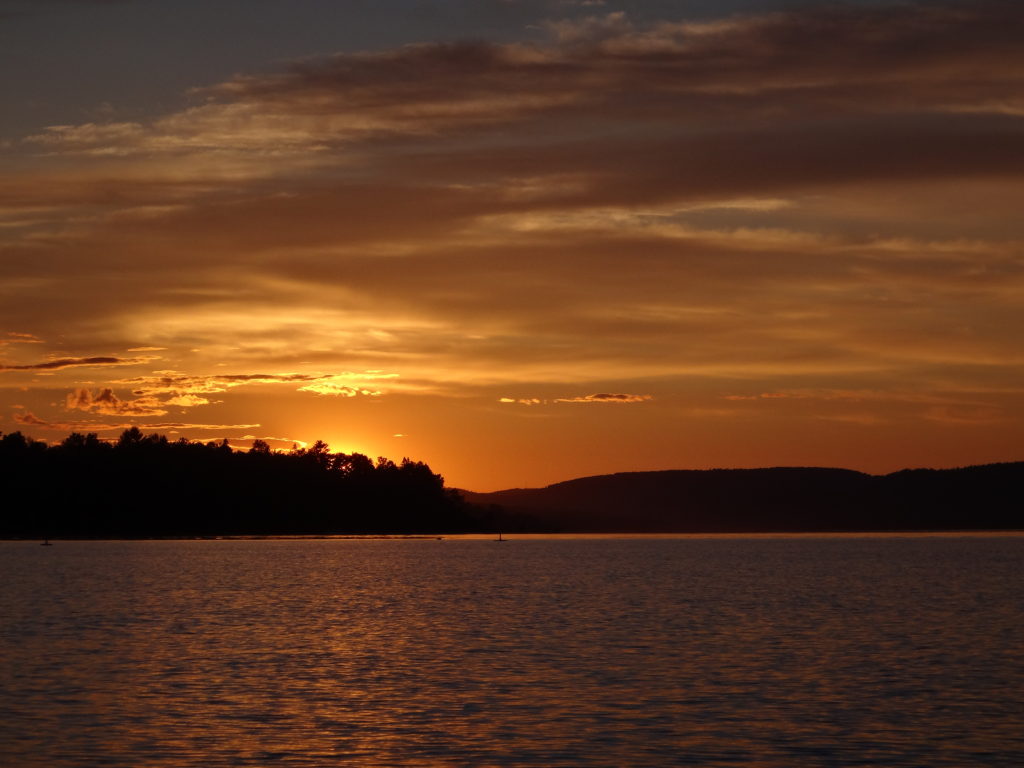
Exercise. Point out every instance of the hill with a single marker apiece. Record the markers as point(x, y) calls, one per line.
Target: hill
point(769, 500)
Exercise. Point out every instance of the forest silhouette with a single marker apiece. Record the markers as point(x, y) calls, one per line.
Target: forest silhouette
point(148, 486)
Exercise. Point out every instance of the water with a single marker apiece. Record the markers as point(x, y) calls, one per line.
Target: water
point(810, 651)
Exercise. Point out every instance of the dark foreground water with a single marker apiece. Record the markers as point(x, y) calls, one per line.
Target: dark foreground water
point(602, 652)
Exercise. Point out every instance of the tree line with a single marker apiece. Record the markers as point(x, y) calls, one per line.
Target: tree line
point(149, 486)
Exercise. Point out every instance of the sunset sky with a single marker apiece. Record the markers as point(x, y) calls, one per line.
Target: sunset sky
point(520, 240)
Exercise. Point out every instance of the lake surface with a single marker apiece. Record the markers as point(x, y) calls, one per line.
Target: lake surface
point(720, 651)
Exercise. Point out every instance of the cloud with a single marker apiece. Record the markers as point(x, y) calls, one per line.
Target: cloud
point(338, 390)
point(88, 135)
point(76, 362)
point(602, 397)
point(13, 337)
point(605, 397)
point(829, 58)
point(187, 401)
point(955, 415)
point(107, 403)
point(914, 91)
point(186, 389)
point(768, 396)
point(153, 396)
point(31, 420)
point(185, 425)
point(815, 62)
point(934, 399)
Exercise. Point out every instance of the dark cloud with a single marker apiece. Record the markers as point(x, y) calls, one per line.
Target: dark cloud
point(607, 77)
point(264, 378)
point(605, 397)
point(107, 403)
point(824, 60)
point(29, 419)
point(153, 394)
point(75, 362)
point(602, 397)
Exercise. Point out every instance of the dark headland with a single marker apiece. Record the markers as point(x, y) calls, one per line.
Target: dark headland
point(147, 486)
point(986, 497)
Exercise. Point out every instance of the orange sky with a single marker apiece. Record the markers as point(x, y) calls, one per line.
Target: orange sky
point(762, 239)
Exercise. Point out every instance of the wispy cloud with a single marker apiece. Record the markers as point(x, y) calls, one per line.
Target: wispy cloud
point(899, 59)
point(605, 397)
point(13, 337)
point(31, 420)
point(185, 389)
point(76, 362)
point(155, 395)
point(338, 390)
point(600, 397)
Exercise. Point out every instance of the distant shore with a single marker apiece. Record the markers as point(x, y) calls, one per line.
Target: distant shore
point(580, 535)
point(149, 487)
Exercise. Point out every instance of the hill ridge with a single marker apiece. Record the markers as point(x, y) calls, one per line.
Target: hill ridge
point(977, 496)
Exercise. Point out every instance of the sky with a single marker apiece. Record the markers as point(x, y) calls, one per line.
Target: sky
point(520, 240)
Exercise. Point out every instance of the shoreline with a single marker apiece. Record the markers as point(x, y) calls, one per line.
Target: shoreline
point(527, 536)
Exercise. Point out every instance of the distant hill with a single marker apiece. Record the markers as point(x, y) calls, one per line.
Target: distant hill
point(769, 500)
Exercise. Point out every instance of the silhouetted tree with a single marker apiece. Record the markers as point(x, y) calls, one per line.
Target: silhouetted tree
point(130, 438)
point(145, 485)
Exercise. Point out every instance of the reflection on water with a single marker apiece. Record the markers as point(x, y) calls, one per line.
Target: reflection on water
point(606, 652)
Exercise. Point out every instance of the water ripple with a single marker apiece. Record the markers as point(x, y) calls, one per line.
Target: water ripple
point(600, 652)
